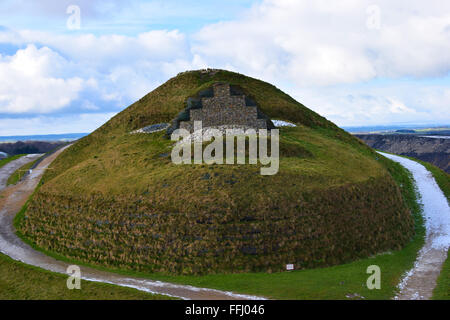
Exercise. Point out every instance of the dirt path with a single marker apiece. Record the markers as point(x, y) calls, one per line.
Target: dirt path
point(11, 201)
point(419, 282)
point(8, 169)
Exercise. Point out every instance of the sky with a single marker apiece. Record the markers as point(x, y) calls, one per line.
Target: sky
point(69, 66)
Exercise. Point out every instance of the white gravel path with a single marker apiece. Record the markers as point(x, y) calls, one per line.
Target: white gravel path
point(419, 282)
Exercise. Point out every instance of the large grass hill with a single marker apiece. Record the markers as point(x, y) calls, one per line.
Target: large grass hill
point(115, 199)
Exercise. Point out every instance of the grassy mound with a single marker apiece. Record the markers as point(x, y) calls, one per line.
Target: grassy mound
point(115, 199)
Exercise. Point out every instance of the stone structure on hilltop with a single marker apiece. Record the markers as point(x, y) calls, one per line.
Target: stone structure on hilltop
point(223, 105)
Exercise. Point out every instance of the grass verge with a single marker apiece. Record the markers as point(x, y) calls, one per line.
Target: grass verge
point(337, 282)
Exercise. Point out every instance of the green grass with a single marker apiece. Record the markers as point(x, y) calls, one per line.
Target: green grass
point(322, 283)
point(18, 174)
point(19, 281)
point(9, 159)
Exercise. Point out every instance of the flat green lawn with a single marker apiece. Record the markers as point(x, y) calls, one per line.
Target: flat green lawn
point(327, 283)
point(18, 174)
point(9, 159)
point(23, 282)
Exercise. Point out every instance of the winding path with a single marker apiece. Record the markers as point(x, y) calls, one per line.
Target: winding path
point(14, 197)
point(419, 282)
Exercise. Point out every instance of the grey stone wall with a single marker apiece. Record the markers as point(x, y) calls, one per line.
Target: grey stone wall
point(223, 108)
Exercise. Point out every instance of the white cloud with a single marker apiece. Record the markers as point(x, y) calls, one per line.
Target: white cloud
point(29, 82)
point(114, 69)
point(104, 51)
point(323, 54)
point(124, 67)
point(398, 102)
point(316, 43)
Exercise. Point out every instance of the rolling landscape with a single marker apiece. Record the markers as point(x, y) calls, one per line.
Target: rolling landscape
point(203, 157)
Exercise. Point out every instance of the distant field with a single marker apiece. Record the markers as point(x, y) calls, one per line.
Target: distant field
point(421, 130)
point(43, 137)
point(400, 130)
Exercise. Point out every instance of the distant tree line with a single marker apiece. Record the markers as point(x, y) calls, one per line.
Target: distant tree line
point(21, 147)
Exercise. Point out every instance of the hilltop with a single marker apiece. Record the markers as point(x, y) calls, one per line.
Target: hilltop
point(116, 200)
